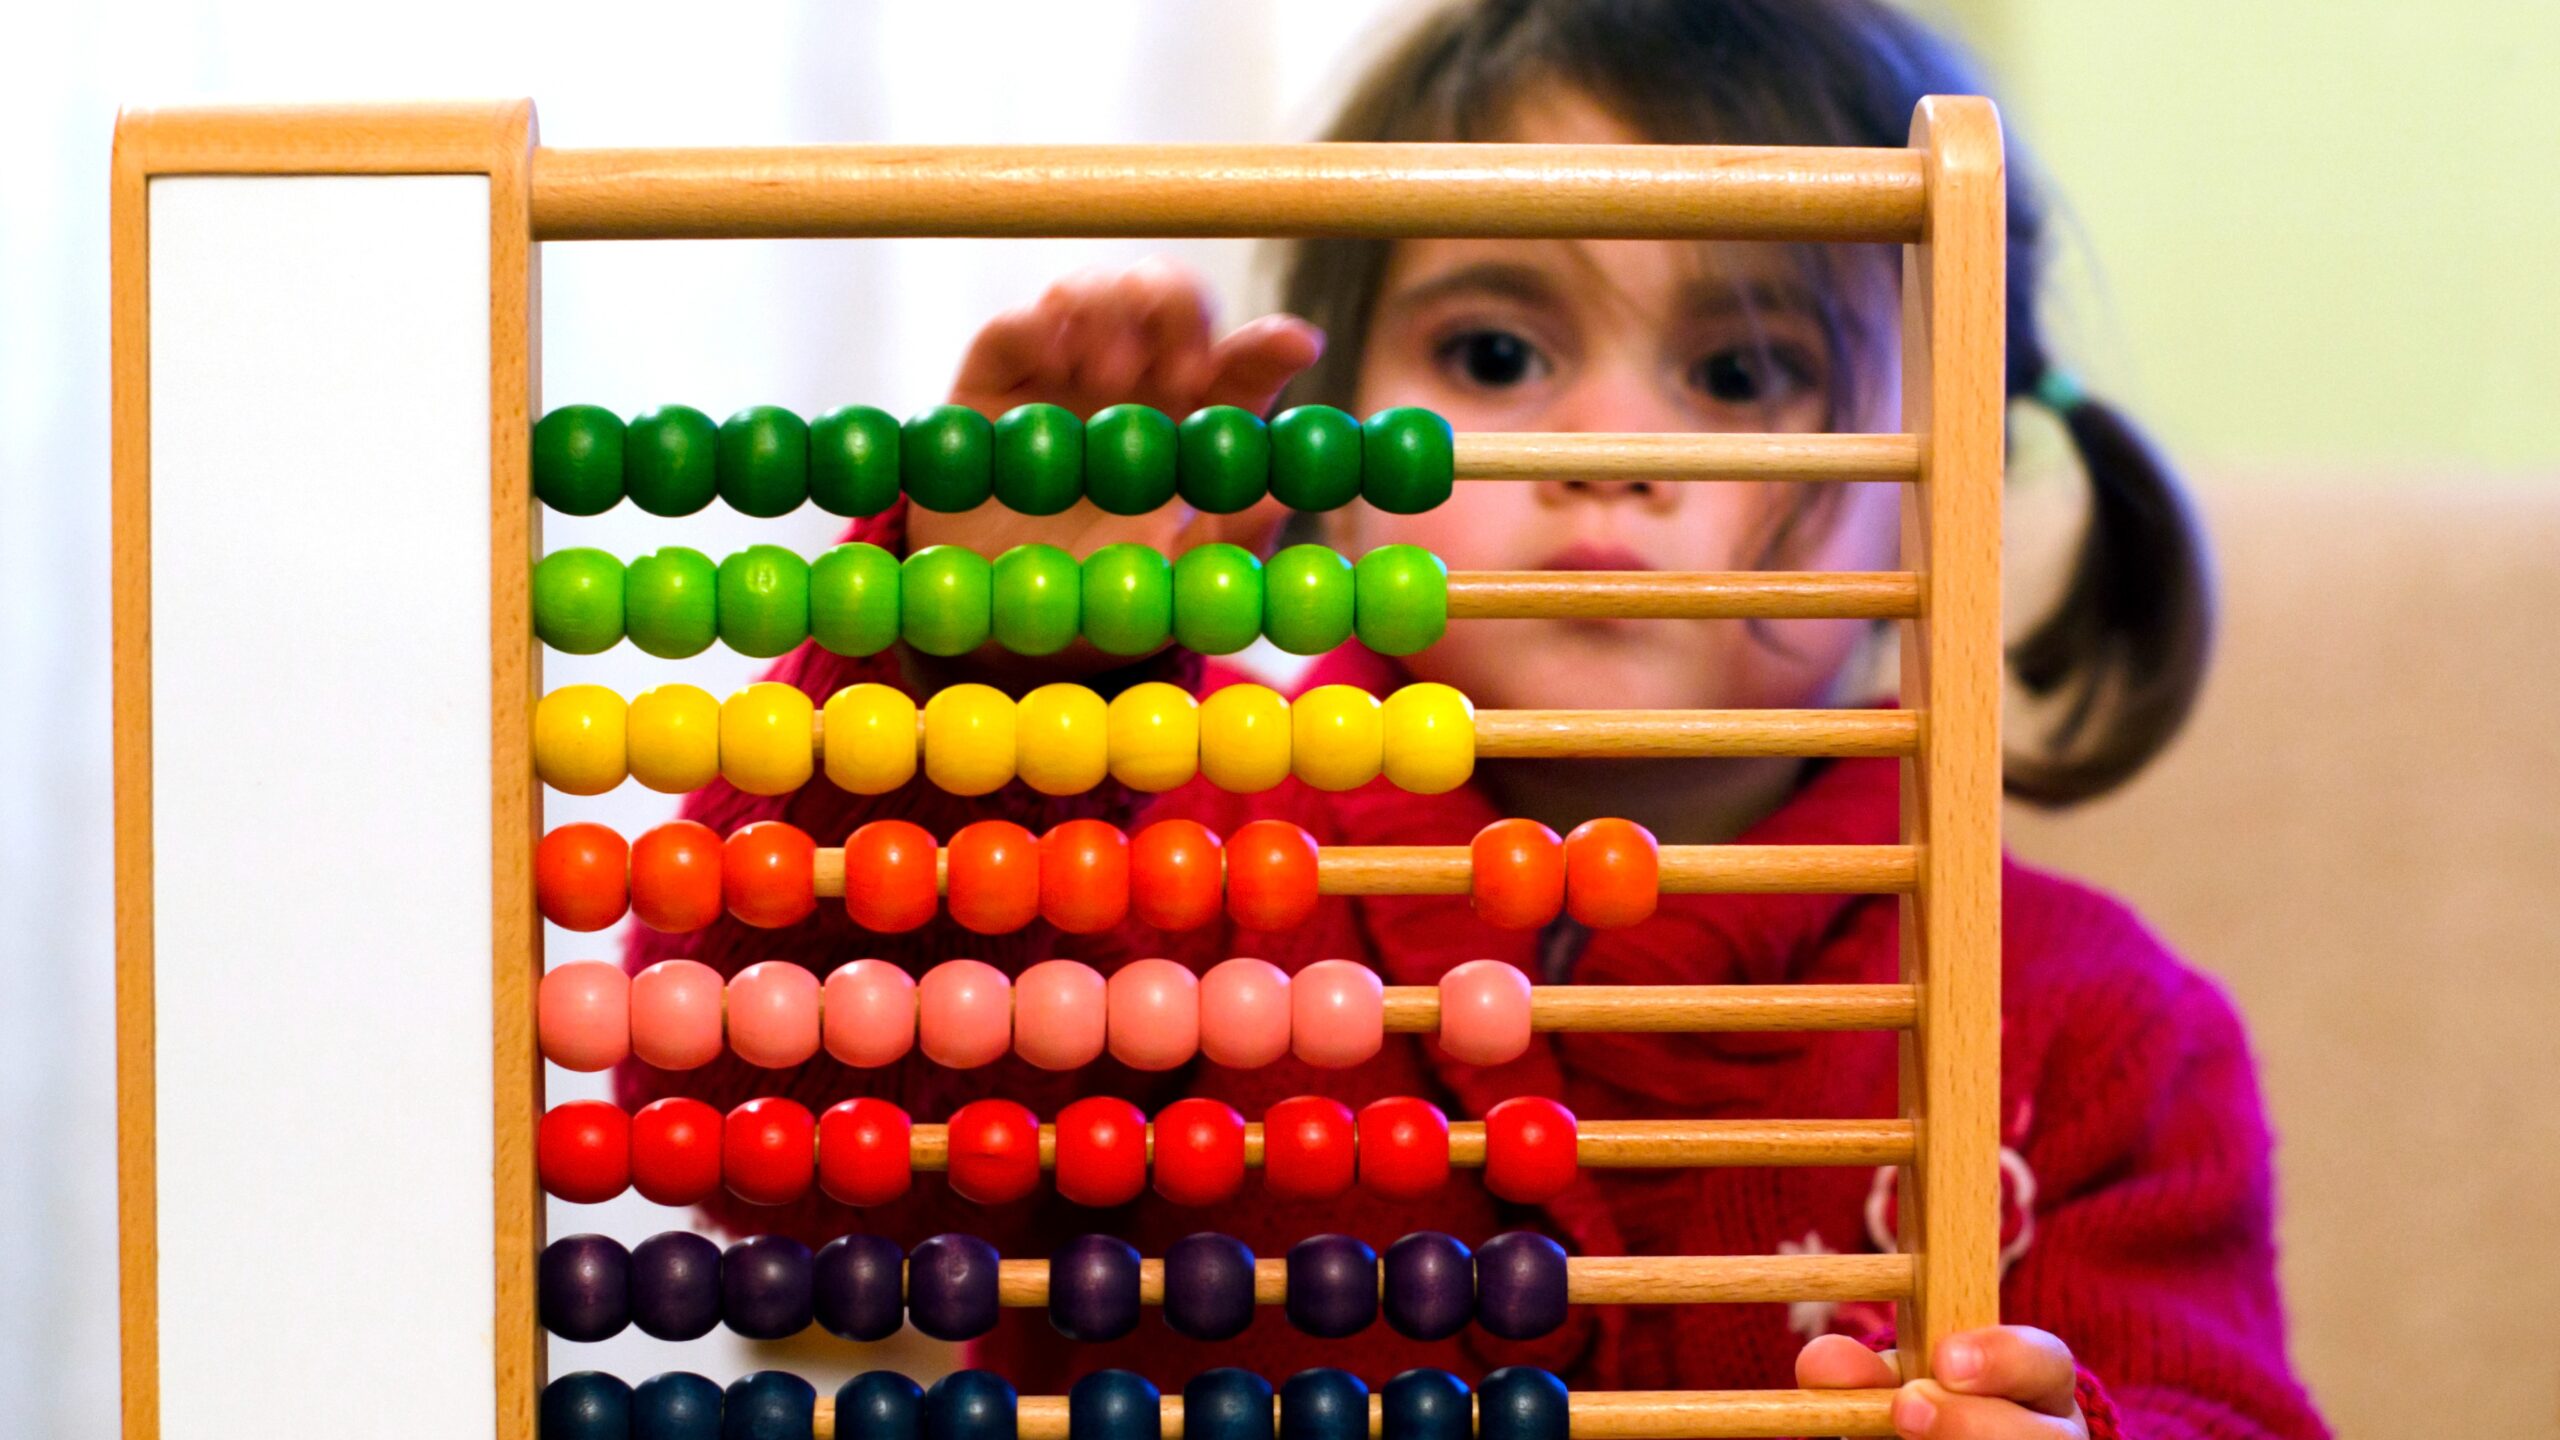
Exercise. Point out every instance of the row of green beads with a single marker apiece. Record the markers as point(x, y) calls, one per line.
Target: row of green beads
point(1037, 459)
point(1032, 600)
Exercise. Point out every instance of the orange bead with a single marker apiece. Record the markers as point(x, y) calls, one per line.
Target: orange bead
point(581, 876)
point(994, 877)
point(675, 877)
point(1084, 877)
point(1271, 875)
point(1612, 873)
point(769, 874)
point(1516, 874)
point(888, 876)
point(1176, 874)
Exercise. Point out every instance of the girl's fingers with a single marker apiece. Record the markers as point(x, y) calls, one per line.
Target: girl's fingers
point(1013, 353)
point(1173, 323)
point(1836, 1362)
point(2013, 1362)
point(1927, 1410)
point(1251, 365)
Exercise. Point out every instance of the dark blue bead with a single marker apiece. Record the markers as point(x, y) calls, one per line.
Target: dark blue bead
point(1208, 1287)
point(1333, 1287)
point(675, 1285)
point(1430, 1285)
point(1425, 1405)
point(769, 1405)
point(1522, 1402)
point(1093, 1288)
point(585, 1286)
point(1227, 1404)
point(857, 1287)
point(1324, 1404)
point(951, 1287)
point(1114, 1405)
point(765, 1287)
point(587, 1405)
point(969, 1405)
point(678, 1405)
point(1520, 1277)
point(879, 1405)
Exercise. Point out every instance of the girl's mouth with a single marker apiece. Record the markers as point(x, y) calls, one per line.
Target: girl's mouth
point(1596, 555)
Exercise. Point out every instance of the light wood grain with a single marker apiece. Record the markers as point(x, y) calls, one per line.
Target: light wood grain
point(1596, 1415)
point(1680, 1009)
point(1686, 870)
point(1685, 455)
point(1598, 1144)
point(1681, 595)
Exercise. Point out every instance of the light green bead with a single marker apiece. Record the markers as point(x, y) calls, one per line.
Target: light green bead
point(1217, 599)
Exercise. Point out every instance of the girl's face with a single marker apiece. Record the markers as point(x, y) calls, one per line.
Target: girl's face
point(1627, 335)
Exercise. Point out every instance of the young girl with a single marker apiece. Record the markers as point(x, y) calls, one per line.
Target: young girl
point(2138, 1230)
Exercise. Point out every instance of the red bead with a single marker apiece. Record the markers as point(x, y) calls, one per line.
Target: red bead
point(888, 876)
point(581, 876)
point(1084, 877)
point(994, 1152)
point(1176, 875)
point(1271, 875)
point(1529, 1153)
point(675, 877)
point(675, 1151)
point(769, 873)
point(864, 1151)
point(1612, 873)
point(1199, 1152)
point(583, 1151)
point(1404, 1147)
point(994, 882)
point(1102, 1151)
point(1516, 874)
point(1309, 1148)
point(769, 1151)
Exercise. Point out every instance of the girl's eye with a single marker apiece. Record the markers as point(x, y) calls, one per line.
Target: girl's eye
point(1750, 375)
point(1492, 358)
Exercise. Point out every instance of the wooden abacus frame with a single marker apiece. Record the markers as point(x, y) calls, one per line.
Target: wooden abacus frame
point(1941, 199)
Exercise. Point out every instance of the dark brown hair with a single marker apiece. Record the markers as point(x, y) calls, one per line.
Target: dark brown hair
point(2121, 657)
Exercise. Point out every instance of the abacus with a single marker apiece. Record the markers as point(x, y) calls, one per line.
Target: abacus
point(331, 1110)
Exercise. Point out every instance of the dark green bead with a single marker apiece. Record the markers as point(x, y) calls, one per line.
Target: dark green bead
point(1039, 599)
point(764, 601)
point(1128, 599)
point(853, 460)
point(1315, 458)
point(1307, 599)
point(577, 601)
point(671, 602)
point(1039, 462)
point(1400, 599)
point(944, 459)
point(853, 600)
point(1225, 460)
point(671, 460)
point(1407, 460)
point(1130, 459)
point(945, 600)
point(577, 459)
point(764, 461)
point(1217, 599)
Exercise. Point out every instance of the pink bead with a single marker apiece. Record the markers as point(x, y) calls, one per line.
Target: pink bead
point(1244, 1013)
point(1484, 1013)
point(675, 1014)
point(1337, 1014)
point(773, 1014)
point(1061, 1013)
point(1155, 1014)
point(584, 1015)
point(964, 1014)
point(870, 1017)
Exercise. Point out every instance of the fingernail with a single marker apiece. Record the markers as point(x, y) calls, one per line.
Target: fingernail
point(1913, 1414)
point(1959, 1360)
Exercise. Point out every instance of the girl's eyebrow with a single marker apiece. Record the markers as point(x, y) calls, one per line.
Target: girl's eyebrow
point(1501, 279)
point(1717, 298)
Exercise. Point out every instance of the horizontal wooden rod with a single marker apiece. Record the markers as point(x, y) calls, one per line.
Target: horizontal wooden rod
point(1683, 595)
point(1692, 734)
point(1595, 1415)
point(1165, 191)
point(1682, 1009)
point(1598, 1144)
point(1589, 1280)
point(1446, 870)
point(1686, 455)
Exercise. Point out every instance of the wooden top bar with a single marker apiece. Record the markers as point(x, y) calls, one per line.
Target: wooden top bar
point(1163, 191)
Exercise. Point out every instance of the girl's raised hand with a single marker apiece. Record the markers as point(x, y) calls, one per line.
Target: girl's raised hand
point(2008, 1382)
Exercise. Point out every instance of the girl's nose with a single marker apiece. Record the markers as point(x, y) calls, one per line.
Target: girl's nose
point(1610, 403)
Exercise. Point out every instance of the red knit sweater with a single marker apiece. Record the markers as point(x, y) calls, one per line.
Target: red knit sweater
point(2137, 1152)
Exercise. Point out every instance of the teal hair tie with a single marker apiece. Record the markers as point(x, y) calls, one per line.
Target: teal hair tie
point(2060, 391)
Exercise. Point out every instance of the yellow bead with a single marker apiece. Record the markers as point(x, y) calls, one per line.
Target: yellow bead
point(1334, 737)
point(1430, 739)
point(674, 738)
point(578, 740)
point(768, 738)
point(1061, 739)
point(1244, 738)
point(968, 739)
point(870, 738)
point(1155, 737)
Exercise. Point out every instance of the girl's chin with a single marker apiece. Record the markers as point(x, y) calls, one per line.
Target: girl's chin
point(1565, 676)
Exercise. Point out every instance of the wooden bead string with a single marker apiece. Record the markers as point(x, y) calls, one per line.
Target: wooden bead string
point(1596, 1414)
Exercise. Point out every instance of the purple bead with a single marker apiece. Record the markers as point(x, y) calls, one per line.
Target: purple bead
point(951, 1287)
point(1333, 1286)
point(1208, 1286)
point(1093, 1288)
point(1520, 1285)
point(1430, 1285)
point(585, 1285)
point(675, 1285)
point(858, 1285)
point(764, 1287)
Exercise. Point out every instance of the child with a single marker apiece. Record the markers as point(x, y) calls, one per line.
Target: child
point(2138, 1227)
